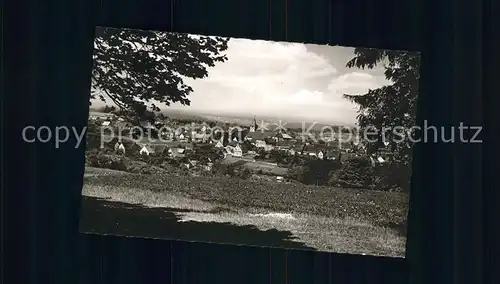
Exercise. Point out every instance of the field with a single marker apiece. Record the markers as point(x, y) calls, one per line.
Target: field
point(323, 218)
point(266, 168)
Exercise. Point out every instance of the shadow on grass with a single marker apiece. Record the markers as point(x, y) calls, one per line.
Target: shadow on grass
point(116, 218)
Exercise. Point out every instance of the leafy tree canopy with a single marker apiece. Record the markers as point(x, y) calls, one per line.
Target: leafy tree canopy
point(136, 68)
point(391, 105)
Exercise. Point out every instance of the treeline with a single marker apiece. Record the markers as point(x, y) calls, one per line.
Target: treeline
point(356, 172)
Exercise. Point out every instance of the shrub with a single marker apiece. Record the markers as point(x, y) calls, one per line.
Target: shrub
point(224, 169)
point(355, 172)
point(174, 163)
point(296, 173)
point(233, 170)
point(392, 177)
point(244, 173)
point(314, 171)
point(100, 160)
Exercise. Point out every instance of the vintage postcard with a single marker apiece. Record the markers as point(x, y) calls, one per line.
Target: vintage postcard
point(250, 142)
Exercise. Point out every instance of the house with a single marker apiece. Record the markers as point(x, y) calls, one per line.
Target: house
point(199, 137)
point(119, 148)
point(259, 135)
point(146, 150)
point(219, 144)
point(106, 123)
point(269, 147)
point(208, 167)
point(320, 155)
point(178, 132)
point(167, 135)
point(237, 152)
point(284, 142)
point(284, 145)
point(310, 152)
point(283, 136)
point(260, 144)
point(117, 145)
point(230, 147)
point(178, 152)
point(182, 136)
point(316, 150)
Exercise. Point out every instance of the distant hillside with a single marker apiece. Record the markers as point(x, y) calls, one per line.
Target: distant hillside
point(244, 120)
point(247, 120)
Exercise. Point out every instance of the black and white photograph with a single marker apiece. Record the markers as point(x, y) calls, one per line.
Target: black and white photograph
point(249, 142)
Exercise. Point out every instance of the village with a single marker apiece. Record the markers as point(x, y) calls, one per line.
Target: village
point(247, 142)
point(269, 153)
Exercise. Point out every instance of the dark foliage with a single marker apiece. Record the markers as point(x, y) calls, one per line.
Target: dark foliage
point(356, 172)
point(99, 160)
point(392, 105)
point(206, 153)
point(135, 67)
point(236, 170)
point(314, 171)
point(392, 177)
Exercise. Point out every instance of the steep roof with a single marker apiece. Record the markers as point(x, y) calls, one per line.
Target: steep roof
point(259, 135)
point(150, 149)
point(314, 148)
point(284, 136)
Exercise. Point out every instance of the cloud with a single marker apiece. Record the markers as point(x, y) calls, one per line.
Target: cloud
point(355, 83)
point(282, 79)
point(255, 65)
point(262, 76)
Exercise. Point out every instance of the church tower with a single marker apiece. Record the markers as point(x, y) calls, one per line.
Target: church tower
point(253, 127)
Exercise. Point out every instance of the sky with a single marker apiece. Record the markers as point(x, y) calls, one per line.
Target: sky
point(282, 79)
